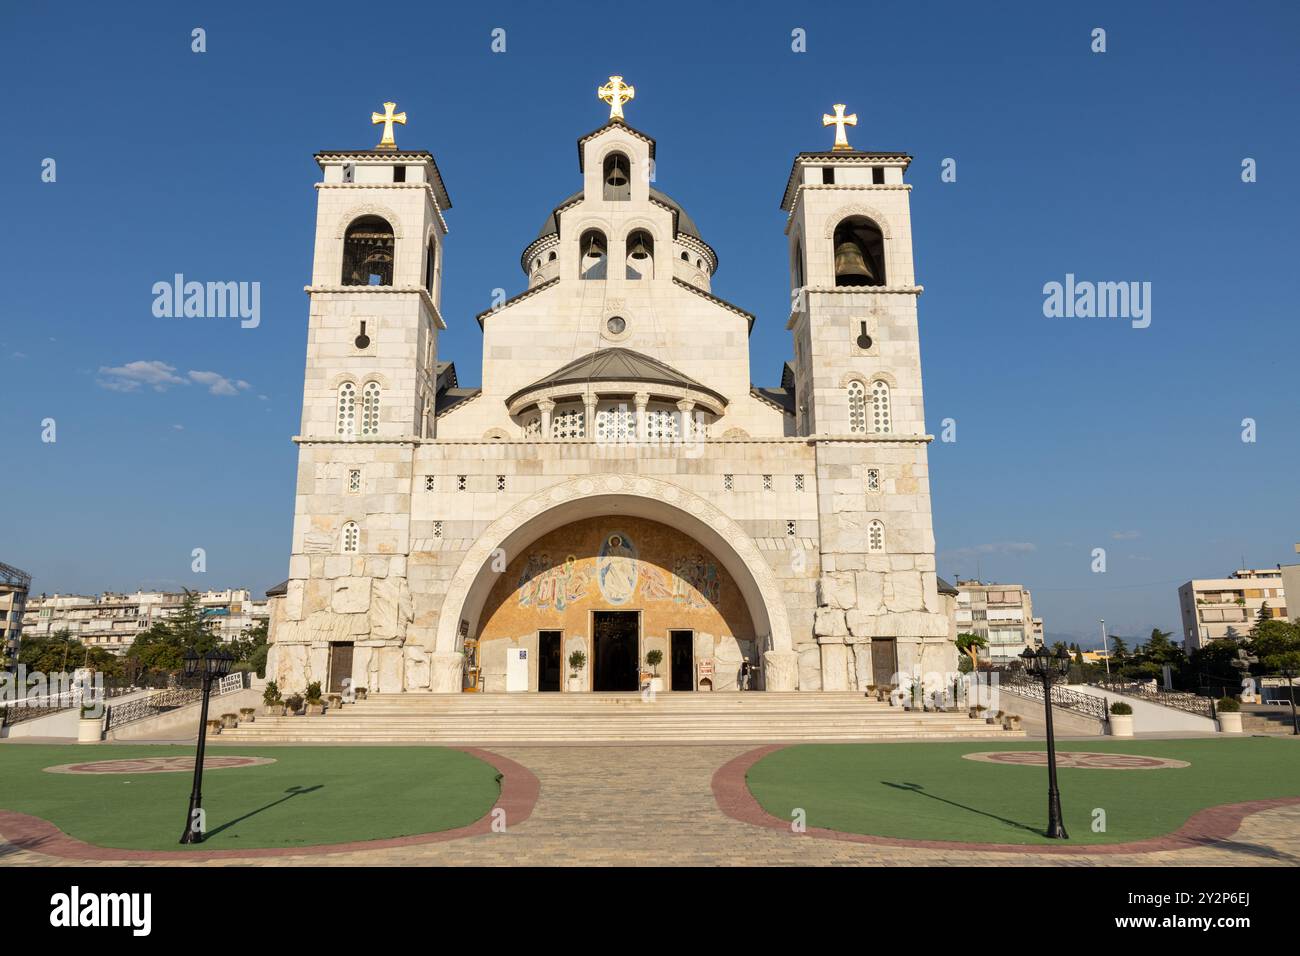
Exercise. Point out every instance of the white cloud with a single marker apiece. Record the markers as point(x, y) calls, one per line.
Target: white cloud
point(129, 377)
point(993, 547)
point(218, 384)
point(1124, 535)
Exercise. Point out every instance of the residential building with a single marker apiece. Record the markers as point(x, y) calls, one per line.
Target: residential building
point(14, 585)
point(1002, 614)
point(1216, 608)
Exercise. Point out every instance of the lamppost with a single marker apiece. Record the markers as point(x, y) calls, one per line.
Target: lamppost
point(211, 666)
point(1047, 665)
point(1105, 650)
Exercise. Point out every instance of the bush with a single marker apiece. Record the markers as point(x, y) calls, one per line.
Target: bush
point(654, 658)
point(1228, 705)
point(1120, 709)
point(294, 703)
point(271, 695)
point(577, 661)
point(313, 692)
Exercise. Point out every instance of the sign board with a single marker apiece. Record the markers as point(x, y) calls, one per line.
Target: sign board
point(706, 667)
point(516, 669)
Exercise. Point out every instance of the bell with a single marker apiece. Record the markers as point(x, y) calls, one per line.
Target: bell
point(639, 250)
point(617, 175)
point(595, 247)
point(850, 266)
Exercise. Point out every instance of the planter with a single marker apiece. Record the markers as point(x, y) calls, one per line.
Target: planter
point(990, 720)
point(89, 730)
point(273, 710)
point(335, 701)
point(360, 693)
point(1121, 725)
point(315, 710)
point(575, 685)
point(214, 726)
point(656, 685)
point(247, 714)
point(1229, 721)
point(230, 720)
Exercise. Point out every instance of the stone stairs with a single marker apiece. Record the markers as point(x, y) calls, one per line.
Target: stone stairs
point(481, 719)
point(1264, 719)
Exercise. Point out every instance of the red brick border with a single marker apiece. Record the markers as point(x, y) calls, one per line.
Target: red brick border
point(519, 792)
point(1203, 828)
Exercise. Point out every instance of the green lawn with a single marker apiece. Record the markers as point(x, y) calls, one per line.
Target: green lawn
point(310, 795)
point(926, 791)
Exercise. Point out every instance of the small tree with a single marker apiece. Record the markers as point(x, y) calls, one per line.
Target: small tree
point(654, 659)
point(970, 644)
point(577, 661)
point(271, 695)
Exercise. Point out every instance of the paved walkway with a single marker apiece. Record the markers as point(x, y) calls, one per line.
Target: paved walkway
point(647, 806)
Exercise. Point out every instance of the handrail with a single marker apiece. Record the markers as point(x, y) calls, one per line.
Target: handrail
point(166, 700)
point(1185, 701)
point(1071, 700)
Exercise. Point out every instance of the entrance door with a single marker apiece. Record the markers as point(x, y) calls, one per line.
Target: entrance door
point(681, 658)
point(548, 660)
point(615, 649)
point(340, 666)
point(884, 662)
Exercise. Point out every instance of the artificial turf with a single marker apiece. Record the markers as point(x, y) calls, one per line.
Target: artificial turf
point(927, 791)
point(309, 796)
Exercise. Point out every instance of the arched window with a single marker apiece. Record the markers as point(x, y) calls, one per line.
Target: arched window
point(876, 537)
point(686, 257)
point(569, 422)
point(370, 409)
point(430, 265)
point(857, 408)
point(551, 256)
point(346, 424)
point(799, 282)
point(368, 252)
point(617, 178)
point(350, 539)
point(859, 253)
point(593, 250)
point(881, 422)
point(640, 255)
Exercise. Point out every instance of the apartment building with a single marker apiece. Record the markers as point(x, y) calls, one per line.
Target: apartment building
point(14, 585)
point(1217, 608)
point(1003, 614)
point(112, 621)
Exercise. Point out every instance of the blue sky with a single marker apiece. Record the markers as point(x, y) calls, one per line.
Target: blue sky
point(1072, 434)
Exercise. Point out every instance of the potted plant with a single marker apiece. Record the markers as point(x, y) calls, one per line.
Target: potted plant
point(577, 661)
point(315, 704)
point(994, 719)
point(1121, 719)
point(293, 704)
point(90, 726)
point(230, 721)
point(977, 712)
point(247, 714)
point(360, 692)
point(653, 659)
point(335, 701)
point(272, 703)
point(214, 726)
point(1011, 722)
point(1229, 711)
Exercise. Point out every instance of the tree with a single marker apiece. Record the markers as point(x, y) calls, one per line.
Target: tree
point(60, 652)
point(970, 644)
point(1262, 616)
point(1118, 648)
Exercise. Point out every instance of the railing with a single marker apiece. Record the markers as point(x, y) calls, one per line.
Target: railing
point(167, 700)
point(1185, 701)
point(1086, 705)
point(41, 705)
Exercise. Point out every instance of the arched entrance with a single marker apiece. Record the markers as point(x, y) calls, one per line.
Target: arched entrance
point(615, 496)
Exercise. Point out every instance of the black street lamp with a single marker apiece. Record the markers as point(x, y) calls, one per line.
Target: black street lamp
point(211, 666)
point(1047, 665)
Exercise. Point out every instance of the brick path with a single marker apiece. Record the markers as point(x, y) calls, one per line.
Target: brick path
point(651, 805)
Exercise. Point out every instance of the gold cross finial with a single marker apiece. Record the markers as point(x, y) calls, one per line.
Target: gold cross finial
point(388, 118)
point(616, 93)
point(839, 121)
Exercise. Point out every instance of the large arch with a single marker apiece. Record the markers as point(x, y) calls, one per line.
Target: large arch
point(619, 494)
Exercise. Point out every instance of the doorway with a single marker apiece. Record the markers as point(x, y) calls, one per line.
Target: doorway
point(615, 644)
point(340, 666)
point(884, 661)
point(548, 660)
point(681, 657)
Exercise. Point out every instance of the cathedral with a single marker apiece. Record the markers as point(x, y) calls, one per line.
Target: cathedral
point(618, 506)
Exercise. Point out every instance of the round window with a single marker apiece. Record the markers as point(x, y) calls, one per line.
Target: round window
point(616, 325)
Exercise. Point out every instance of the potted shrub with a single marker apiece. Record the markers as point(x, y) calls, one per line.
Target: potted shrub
point(577, 661)
point(90, 728)
point(360, 692)
point(1121, 719)
point(230, 721)
point(1011, 722)
point(996, 718)
point(977, 711)
point(335, 701)
point(653, 659)
point(871, 690)
point(1229, 711)
point(214, 726)
point(247, 714)
point(272, 703)
point(293, 704)
point(315, 704)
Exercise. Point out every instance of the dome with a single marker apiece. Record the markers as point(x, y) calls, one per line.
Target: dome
point(685, 224)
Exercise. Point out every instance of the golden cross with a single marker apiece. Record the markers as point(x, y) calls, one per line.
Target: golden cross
point(616, 93)
point(839, 121)
point(388, 118)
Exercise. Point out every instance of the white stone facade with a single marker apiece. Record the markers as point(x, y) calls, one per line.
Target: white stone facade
point(818, 513)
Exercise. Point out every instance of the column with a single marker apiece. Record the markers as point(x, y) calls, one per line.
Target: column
point(686, 406)
point(589, 410)
point(546, 406)
point(642, 399)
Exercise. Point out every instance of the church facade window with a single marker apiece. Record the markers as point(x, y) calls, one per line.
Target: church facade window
point(661, 424)
point(859, 252)
point(569, 423)
point(368, 252)
point(615, 424)
point(617, 178)
point(593, 250)
point(881, 421)
point(430, 265)
point(346, 417)
point(350, 539)
point(354, 481)
point(370, 409)
point(640, 255)
point(857, 396)
point(876, 537)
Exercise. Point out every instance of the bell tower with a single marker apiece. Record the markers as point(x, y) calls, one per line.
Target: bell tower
point(857, 378)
